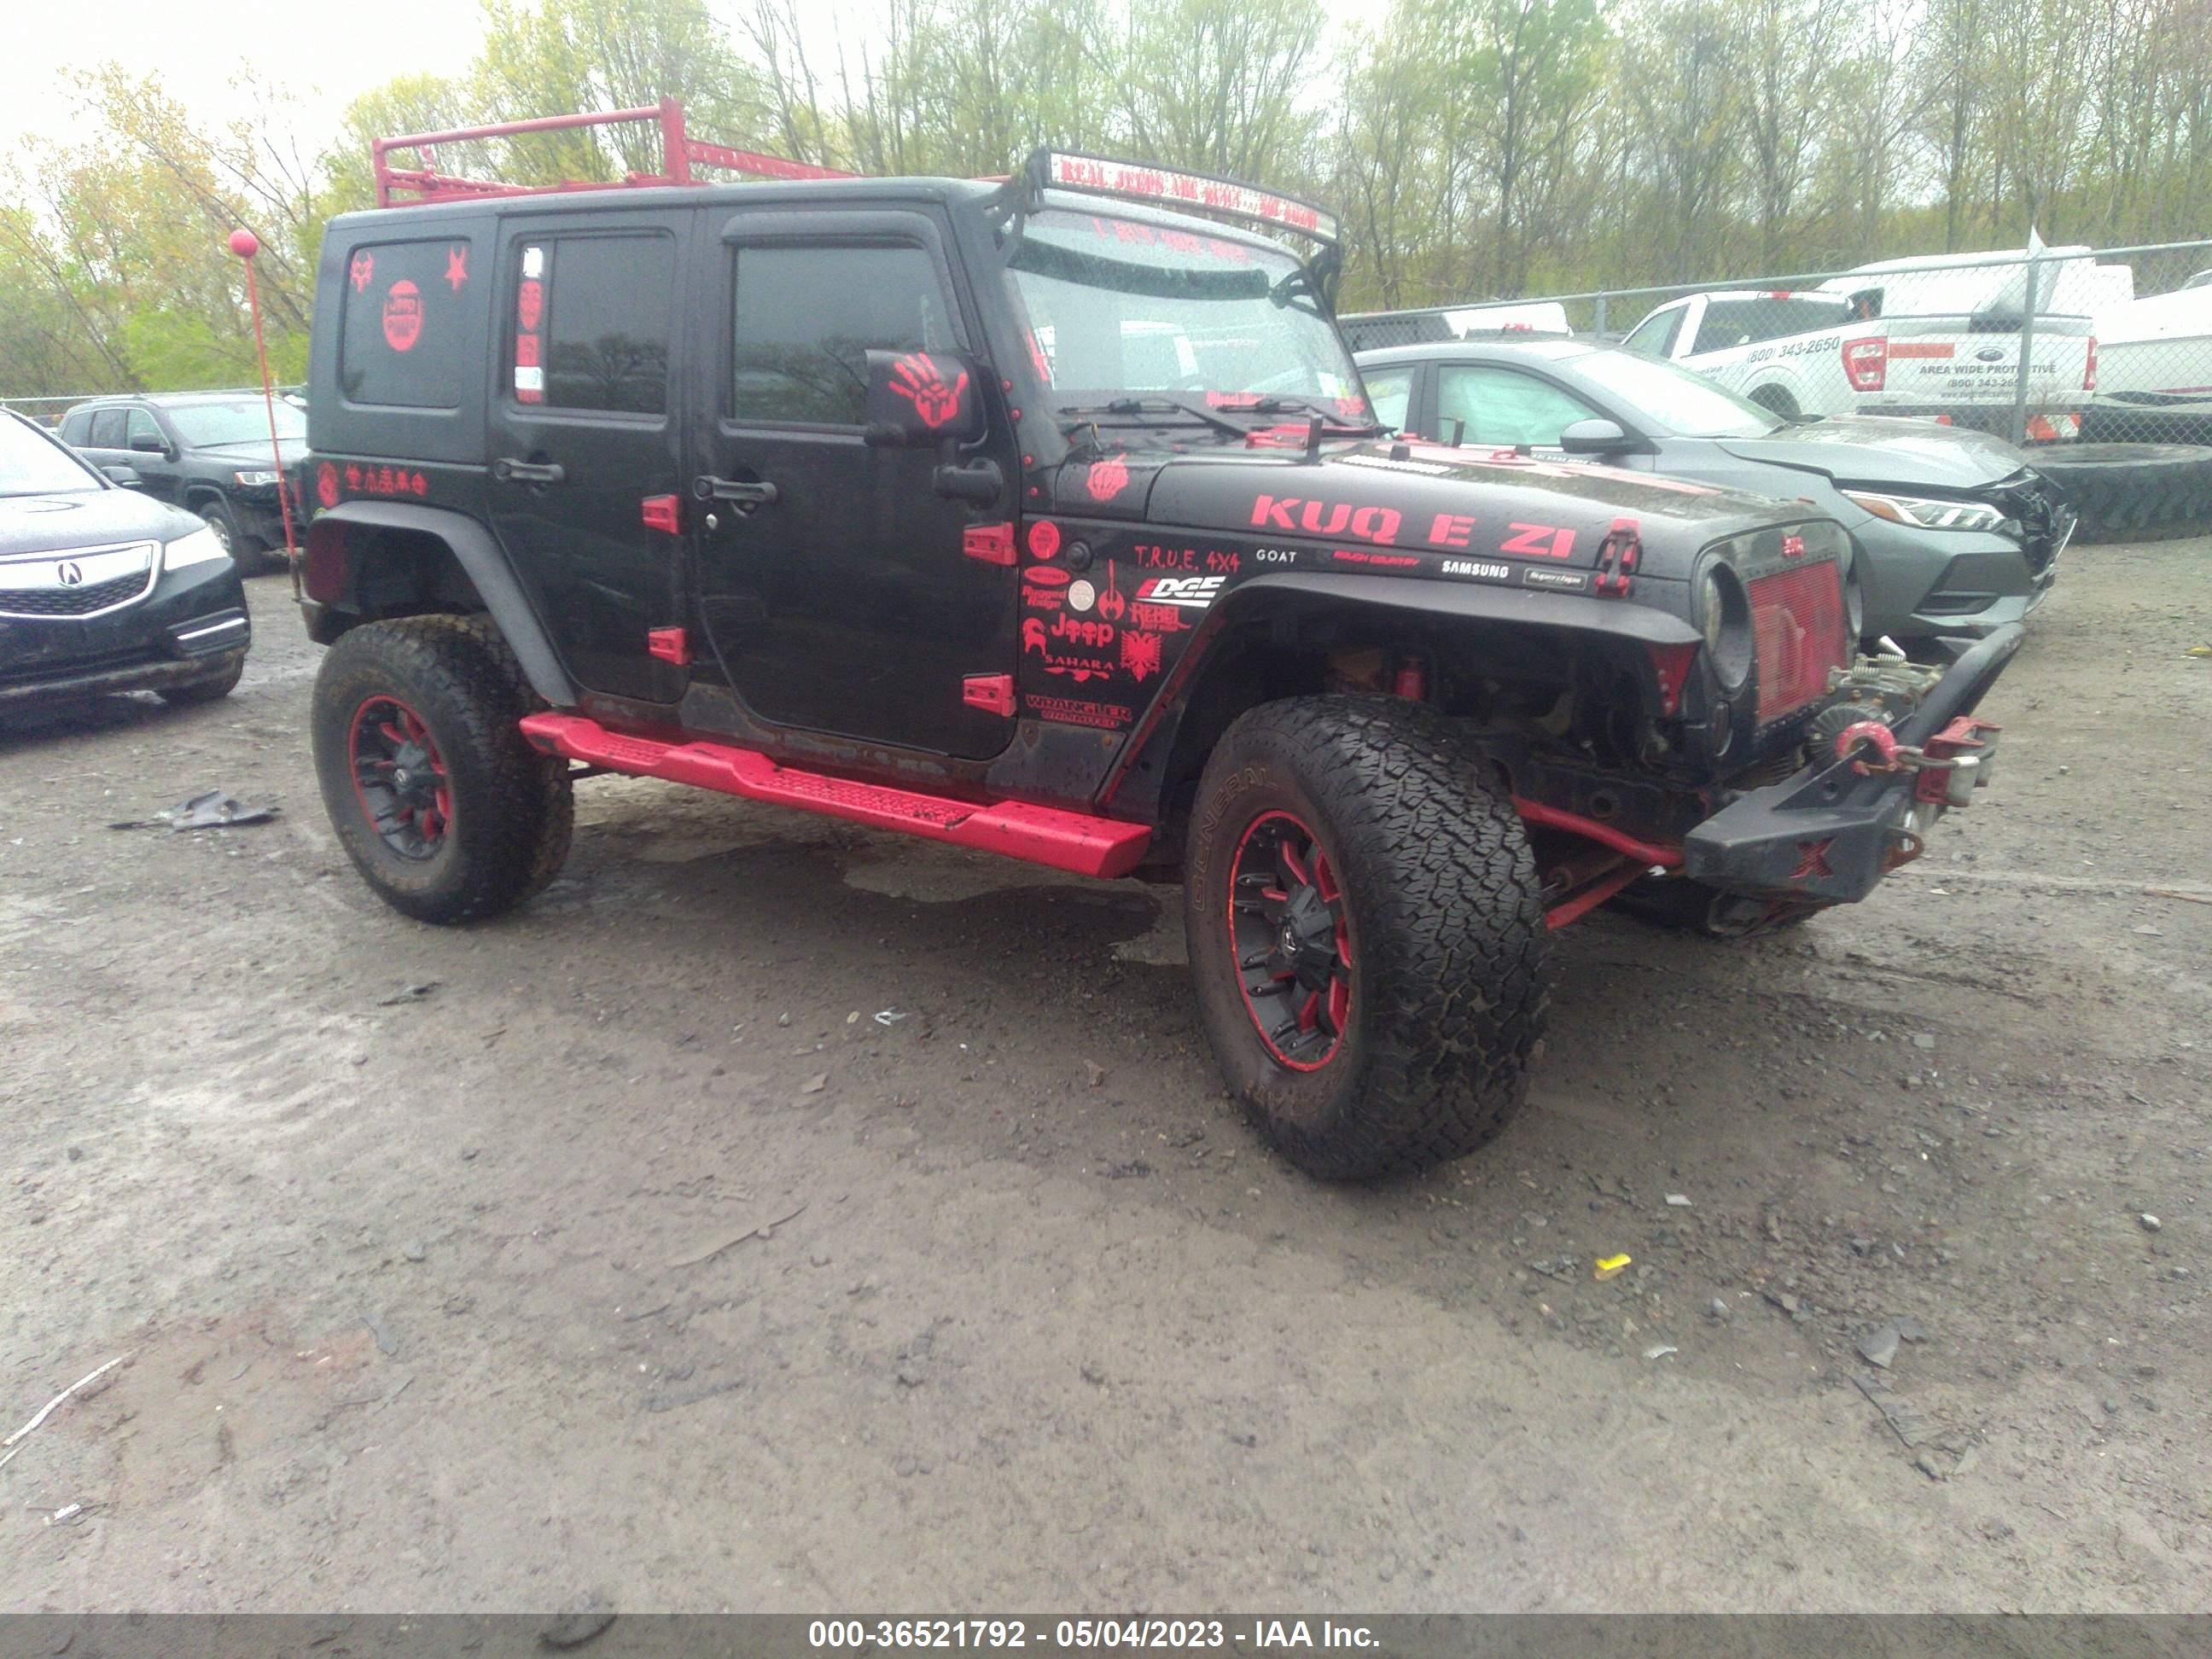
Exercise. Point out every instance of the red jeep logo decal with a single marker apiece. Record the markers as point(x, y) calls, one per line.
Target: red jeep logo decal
point(1329, 519)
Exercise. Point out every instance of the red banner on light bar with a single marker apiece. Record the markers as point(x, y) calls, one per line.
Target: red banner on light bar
point(1193, 190)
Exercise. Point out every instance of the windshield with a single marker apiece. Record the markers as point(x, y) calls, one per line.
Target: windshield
point(33, 465)
point(1684, 404)
point(1117, 308)
point(203, 424)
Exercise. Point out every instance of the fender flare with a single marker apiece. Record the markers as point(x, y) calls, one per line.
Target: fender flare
point(1424, 596)
point(486, 566)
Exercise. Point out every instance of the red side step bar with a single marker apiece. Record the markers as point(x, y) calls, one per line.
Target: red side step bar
point(1041, 834)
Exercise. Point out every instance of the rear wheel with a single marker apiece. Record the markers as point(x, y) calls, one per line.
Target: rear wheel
point(445, 808)
point(1366, 935)
point(1774, 398)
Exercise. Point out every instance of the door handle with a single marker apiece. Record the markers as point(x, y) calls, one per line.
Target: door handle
point(508, 470)
point(746, 492)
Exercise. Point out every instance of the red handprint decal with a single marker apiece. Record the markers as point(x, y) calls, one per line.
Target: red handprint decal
point(915, 378)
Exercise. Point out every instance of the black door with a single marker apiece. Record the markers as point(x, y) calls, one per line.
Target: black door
point(842, 603)
point(153, 451)
point(586, 439)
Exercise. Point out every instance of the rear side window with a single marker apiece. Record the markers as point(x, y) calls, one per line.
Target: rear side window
point(1655, 335)
point(77, 426)
point(592, 320)
point(807, 317)
point(1729, 323)
point(401, 331)
point(107, 429)
point(1504, 407)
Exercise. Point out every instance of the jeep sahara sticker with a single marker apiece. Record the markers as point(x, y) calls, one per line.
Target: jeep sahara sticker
point(403, 315)
point(1331, 519)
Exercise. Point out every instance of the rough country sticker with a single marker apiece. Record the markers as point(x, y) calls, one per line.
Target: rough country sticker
point(403, 315)
point(1189, 593)
point(1383, 561)
point(1330, 519)
point(1071, 711)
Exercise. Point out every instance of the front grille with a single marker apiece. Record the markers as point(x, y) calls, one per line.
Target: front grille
point(70, 601)
point(1797, 622)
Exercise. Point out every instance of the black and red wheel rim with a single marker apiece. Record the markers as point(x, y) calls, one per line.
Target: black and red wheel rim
point(1291, 939)
point(400, 778)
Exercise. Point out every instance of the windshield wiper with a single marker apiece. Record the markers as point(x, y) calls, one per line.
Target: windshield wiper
point(1142, 405)
point(1335, 421)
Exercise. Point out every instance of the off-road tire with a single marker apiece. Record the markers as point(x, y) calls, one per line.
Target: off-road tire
point(2132, 492)
point(513, 810)
point(214, 689)
point(1447, 943)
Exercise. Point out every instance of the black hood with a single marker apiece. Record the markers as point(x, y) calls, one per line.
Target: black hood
point(1412, 496)
point(1861, 450)
point(90, 518)
point(251, 455)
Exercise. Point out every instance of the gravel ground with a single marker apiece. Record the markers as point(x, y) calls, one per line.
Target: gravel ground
point(619, 1250)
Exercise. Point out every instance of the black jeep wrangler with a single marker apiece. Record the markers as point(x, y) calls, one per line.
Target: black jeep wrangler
point(1049, 516)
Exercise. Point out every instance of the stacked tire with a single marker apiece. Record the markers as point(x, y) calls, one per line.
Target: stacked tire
point(2133, 492)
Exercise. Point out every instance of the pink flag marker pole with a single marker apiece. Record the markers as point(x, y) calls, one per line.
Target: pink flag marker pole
point(245, 244)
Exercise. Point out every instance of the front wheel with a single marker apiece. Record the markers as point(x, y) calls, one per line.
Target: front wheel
point(441, 803)
point(1366, 933)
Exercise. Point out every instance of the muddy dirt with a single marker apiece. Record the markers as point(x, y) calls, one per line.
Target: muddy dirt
point(779, 1216)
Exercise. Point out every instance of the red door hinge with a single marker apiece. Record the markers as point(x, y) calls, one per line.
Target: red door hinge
point(669, 644)
point(662, 513)
point(993, 692)
point(994, 544)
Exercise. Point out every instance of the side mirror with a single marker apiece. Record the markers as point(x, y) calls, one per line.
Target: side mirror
point(920, 398)
point(148, 444)
point(1593, 437)
point(126, 475)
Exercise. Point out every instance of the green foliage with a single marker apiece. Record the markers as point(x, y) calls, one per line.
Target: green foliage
point(1477, 148)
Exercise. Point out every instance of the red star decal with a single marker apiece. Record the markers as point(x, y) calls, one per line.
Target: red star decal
point(457, 267)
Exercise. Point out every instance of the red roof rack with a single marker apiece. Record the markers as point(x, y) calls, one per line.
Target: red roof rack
point(680, 153)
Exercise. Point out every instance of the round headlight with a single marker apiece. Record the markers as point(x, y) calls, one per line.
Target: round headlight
point(1724, 618)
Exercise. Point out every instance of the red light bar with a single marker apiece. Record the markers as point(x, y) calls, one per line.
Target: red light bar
point(1169, 188)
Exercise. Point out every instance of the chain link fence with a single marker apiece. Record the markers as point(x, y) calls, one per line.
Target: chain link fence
point(2042, 345)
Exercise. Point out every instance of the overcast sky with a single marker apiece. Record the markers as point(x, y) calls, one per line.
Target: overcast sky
point(320, 48)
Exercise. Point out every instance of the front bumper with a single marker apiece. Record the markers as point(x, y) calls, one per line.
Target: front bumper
point(1930, 584)
point(191, 627)
point(1830, 833)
